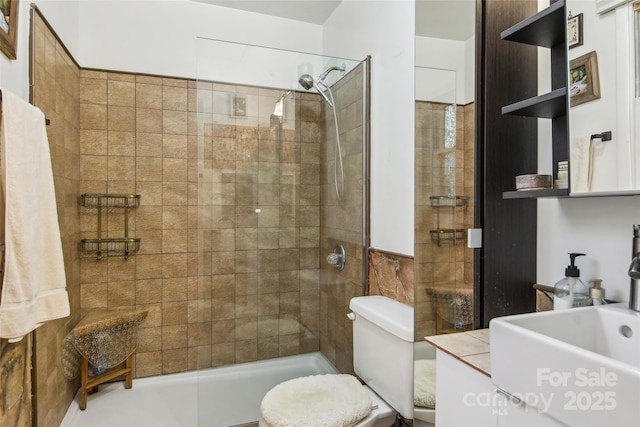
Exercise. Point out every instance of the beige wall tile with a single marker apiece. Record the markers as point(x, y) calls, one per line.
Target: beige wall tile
point(121, 294)
point(174, 217)
point(246, 351)
point(174, 361)
point(174, 241)
point(168, 81)
point(174, 314)
point(148, 120)
point(122, 93)
point(120, 269)
point(148, 266)
point(149, 291)
point(174, 98)
point(174, 289)
point(174, 169)
point(146, 79)
point(148, 364)
point(93, 142)
point(149, 144)
point(174, 336)
point(121, 143)
point(93, 168)
point(93, 116)
point(174, 122)
point(93, 295)
point(121, 119)
point(149, 339)
point(223, 331)
point(222, 354)
point(123, 77)
point(148, 96)
point(175, 146)
point(93, 91)
point(121, 168)
point(174, 265)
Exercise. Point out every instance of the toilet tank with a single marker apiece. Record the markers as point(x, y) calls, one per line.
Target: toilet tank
point(383, 349)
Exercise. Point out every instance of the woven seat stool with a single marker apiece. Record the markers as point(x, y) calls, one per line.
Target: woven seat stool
point(106, 342)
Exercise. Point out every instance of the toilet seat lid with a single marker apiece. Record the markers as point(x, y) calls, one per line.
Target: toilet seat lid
point(332, 400)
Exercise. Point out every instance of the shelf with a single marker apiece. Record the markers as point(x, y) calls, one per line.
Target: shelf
point(88, 200)
point(449, 201)
point(547, 28)
point(448, 235)
point(547, 106)
point(101, 248)
point(534, 194)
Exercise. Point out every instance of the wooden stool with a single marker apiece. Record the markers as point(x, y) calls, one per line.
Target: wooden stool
point(90, 384)
point(109, 338)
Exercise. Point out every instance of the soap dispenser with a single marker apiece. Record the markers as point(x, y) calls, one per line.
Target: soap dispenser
point(571, 291)
point(596, 292)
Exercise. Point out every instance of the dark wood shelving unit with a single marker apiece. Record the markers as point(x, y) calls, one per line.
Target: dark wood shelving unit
point(547, 28)
point(547, 106)
point(550, 192)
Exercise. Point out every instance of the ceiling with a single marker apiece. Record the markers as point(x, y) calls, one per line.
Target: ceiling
point(312, 11)
point(444, 19)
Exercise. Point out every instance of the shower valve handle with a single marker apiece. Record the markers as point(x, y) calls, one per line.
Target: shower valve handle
point(337, 258)
point(333, 258)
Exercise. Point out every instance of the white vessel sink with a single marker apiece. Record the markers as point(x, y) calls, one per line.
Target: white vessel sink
point(580, 366)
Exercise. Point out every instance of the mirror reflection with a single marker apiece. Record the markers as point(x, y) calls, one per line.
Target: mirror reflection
point(444, 184)
point(444, 110)
point(602, 51)
point(444, 205)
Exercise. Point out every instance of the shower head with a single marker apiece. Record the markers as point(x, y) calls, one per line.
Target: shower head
point(307, 82)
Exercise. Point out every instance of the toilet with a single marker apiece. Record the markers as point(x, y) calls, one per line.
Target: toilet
point(382, 358)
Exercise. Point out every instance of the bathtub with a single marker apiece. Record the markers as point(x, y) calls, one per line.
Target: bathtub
point(215, 397)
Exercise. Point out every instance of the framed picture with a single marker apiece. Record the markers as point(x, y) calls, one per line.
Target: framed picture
point(584, 83)
point(574, 31)
point(8, 27)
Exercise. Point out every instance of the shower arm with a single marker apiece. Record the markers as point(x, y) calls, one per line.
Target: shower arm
point(324, 75)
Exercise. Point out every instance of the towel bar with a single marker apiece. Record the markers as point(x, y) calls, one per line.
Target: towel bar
point(604, 136)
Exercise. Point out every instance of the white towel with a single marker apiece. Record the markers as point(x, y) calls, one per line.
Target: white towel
point(581, 164)
point(34, 285)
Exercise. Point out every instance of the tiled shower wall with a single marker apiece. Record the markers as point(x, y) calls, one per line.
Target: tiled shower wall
point(441, 171)
point(229, 218)
point(56, 92)
point(342, 221)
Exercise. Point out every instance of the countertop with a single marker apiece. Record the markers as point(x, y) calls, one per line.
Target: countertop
point(471, 347)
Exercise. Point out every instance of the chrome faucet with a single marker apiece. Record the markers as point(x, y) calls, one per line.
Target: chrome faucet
point(634, 270)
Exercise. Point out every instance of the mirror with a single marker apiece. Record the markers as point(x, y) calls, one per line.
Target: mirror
point(444, 152)
point(603, 55)
point(444, 162)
